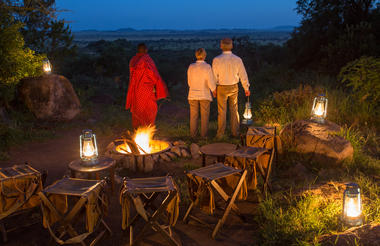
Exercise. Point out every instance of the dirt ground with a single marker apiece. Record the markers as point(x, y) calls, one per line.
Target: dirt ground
point(54, 155)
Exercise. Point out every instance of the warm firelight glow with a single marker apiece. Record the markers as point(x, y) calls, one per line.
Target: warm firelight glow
point(247, 114)
point(88, 149)
point(46, 66)
point(319, 109)
point(143, 138)
point(353, 208)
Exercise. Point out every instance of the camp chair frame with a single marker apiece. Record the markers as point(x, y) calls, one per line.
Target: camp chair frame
point(65, 221)
point(228, 199)
point(273, 151)
point(142, 201)
point(20, 171)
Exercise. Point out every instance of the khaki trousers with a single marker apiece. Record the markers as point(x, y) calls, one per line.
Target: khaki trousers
point(204, 107)
point(228, 93)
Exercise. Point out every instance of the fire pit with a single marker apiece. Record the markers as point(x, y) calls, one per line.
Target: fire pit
point(139, 151)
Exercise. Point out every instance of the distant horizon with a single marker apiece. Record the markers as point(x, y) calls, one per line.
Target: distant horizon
point(278, 27)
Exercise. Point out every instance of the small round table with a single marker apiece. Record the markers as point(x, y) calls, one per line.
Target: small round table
point(102, 164)
point(218, 150)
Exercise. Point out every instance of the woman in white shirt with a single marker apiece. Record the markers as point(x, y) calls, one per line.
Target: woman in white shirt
point(201, 81)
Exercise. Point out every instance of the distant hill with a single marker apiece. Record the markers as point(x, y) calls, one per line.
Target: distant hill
point(284, 28)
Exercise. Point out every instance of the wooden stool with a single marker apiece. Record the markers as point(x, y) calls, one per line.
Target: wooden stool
point(93, 171)
point(218, 150)
point(89, 196)
point(18, 194)
point(206, 178)
point(246, 158)
point(141, 193)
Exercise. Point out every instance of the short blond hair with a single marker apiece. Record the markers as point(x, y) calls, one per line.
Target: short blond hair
point(226, 44)
point(200, 54)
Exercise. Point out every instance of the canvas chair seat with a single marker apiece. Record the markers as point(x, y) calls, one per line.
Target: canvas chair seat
point(203, 181)
point(149, 185)
point(58, 217)
point(19, 186)
point(140, 193)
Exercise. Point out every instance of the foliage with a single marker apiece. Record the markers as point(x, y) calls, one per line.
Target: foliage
point(16, 61)
point(363, 77)
point(296, 221)
point(42, 31)
point(333, 33)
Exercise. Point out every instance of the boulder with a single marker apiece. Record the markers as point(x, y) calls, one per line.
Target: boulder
point(50, 97)
point(318, 140)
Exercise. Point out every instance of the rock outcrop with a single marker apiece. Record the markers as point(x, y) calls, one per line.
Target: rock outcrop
point(50, 97)
point(318, 140)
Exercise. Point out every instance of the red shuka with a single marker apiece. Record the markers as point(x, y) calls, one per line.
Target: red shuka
point(145, 88)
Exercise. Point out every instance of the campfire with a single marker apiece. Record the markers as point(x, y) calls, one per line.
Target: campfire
point(141, 142)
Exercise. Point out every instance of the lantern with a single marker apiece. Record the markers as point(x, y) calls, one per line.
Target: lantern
point(46, 66)
point(352, 209)
point(319, 110)
point(247, 116)
point(88, 147)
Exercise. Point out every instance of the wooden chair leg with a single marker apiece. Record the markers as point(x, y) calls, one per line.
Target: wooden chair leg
point(164, 234)
point(3, 231)
point(185, 218)
point(230, 204)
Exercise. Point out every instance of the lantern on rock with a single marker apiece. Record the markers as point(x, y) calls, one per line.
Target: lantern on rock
point(88, 147)
point(352, 207)
point(319, 109)
point(247, 116)
point(46, 66)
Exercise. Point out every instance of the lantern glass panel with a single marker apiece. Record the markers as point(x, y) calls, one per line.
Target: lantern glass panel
point(319, 109)
point(46, 66)
point(88, 147)
point(247, 112)
point(352, 210)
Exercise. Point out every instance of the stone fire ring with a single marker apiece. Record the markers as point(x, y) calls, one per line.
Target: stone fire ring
point(146, 162)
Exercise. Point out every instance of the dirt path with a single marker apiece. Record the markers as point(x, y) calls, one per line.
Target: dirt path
point(53, 155)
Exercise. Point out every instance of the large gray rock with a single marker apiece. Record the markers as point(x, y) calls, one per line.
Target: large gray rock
point(319, 140)
point(50, 97)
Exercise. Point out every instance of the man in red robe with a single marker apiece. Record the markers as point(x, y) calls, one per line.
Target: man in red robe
point(145, 88)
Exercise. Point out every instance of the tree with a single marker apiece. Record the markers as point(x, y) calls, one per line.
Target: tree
point(16, 61)
point(334, 32)
point(42, 31)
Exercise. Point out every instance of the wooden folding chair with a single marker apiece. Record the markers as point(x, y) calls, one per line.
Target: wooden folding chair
point(264, 137)
point(206, 179)
point(88, 196)
point(141, 194)
point(19, 186)
point(247, 158)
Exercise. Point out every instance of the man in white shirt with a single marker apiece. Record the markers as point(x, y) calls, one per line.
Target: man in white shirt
point(228, 70)
point(201, 81)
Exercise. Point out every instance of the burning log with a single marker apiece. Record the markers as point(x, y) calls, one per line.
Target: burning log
point(130, 142)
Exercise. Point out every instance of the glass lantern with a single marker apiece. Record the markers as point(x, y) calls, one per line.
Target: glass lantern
point(46, 66)
point(319, 109)
point(247, 116)
point(352, 207)
point(88, 147)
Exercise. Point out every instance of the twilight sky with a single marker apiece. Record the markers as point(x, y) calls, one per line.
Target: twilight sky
point(177, 14)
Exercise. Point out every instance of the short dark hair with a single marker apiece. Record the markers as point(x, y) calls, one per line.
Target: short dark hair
point(141, 48)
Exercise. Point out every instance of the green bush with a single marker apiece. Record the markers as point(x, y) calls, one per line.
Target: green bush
point(16, 61)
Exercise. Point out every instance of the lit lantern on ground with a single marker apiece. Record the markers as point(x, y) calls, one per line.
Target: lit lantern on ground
point(88, 147)
point(319, 109)
point(247, 116)
point(46, 66)
point(352, 208)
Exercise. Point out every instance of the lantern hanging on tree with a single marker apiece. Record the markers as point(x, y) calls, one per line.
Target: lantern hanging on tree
point(352, 207)
point(319, 109)
point(88, 147)
point(247, 116)
point(46, 66)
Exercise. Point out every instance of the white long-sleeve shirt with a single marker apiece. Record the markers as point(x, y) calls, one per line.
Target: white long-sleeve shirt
point(200, 79)
point(228, 69)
